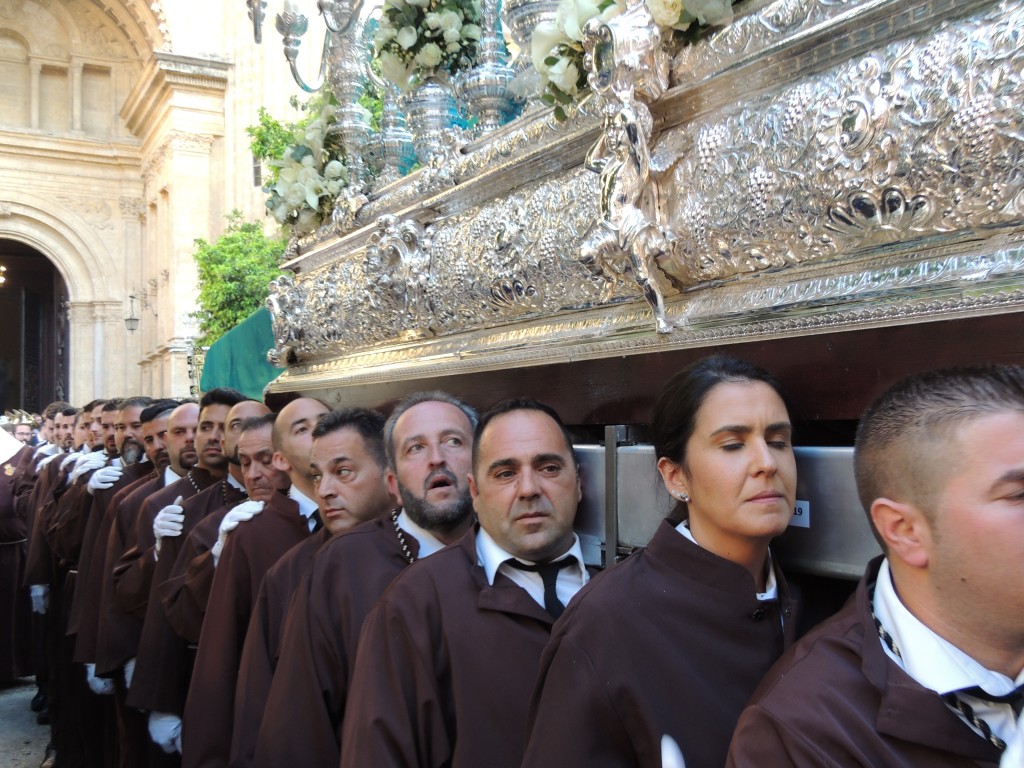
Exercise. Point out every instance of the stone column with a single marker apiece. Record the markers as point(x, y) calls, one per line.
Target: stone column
point(35, 69)
point(76, 96)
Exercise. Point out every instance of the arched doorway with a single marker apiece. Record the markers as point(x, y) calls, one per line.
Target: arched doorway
point(33, 329)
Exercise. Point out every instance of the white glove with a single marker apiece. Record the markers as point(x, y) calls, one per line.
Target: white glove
point(671, 754)
point(169, 521)
point(87, 462)
point(104, 477)
point(165, 730)
point(244, 512)
point(70, 459)
point(47, 450)
point(46, 460)
point(129, 672)
point(98, 685)
point(40, 594)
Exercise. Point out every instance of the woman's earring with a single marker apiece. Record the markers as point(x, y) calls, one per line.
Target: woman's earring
point(681, 496)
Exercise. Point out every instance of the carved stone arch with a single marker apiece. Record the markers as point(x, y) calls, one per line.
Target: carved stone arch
point(67, 241)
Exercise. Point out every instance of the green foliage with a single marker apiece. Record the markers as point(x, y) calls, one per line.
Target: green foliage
point(234, 273)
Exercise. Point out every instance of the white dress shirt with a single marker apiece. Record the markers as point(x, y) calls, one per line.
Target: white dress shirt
point(568, 582)
point(939, 665)
point(306, 505)
point(771, 584)
point(428, 542)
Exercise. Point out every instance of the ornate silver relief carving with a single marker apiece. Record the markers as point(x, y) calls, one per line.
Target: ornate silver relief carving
point(780, 209)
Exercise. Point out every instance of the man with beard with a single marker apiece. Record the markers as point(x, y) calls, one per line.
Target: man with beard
point(428, 440)
point(349, 465)
point(241, 561)
point(163, 666)
point(448, 656)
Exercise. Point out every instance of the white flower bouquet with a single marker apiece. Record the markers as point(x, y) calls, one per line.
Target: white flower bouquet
point(557, 46)
point(309, 177)
point(425, 37)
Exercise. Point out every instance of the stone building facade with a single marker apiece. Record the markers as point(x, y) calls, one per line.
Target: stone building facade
point(122, 140)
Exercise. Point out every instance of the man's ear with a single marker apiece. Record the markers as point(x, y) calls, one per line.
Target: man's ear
point(280, 462)
point(473, 491)
point(905, 529)
point(391, 479)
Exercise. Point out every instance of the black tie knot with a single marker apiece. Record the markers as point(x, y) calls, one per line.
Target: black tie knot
point(1014, 698)
point(549, 575)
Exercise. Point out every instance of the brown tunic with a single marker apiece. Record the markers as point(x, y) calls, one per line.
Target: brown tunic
point(117, 634)
point(85, 607)
point(837, 699)
point(14, 602)
point(673, 640)
point(445, 668)
point(186, 593)
point(160, 681)
point(133, 573)
point(263, 641)
point(304, 710)
point(250, 551)
point(40, 566)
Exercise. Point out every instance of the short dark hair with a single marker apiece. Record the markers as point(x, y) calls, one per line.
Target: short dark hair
point(257, 422)
point(901, 434)
point(157, 409)
point(54, 408)
point(92, 404)
point(114, 404)
point(368, 423)
point(674, 416)
point(416, 398)
point(518, 404)
point(222, 396)
point(69, 410)
point(135, 401)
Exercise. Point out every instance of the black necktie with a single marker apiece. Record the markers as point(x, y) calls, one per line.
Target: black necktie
point(318, 522)
point(549, 575)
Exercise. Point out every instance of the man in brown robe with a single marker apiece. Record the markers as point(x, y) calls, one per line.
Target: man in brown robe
point(349, 466)
point(14, 602)
point(924, 666)
point(161, 672)
point(470, 622)
point(241, 561)
point(428, 440)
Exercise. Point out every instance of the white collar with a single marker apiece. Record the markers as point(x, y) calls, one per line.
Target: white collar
point(429, 543)
point(491, 556)
point(931, 660)
point(771, 584)
point(234, 483)
point(306, 505)
point(170, 476)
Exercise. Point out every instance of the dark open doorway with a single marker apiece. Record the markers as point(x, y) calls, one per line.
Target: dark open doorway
point(33, 329)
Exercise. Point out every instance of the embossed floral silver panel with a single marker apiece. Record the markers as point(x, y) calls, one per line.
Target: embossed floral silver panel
point(818, 164)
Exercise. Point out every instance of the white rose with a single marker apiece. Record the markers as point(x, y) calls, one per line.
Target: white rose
point(665, 12)
point(546, 36)
point(281, 213)
point(407, 37)
point(471, 31)
point(383, 35)
point(334, 169)
point(573, 15)
point(453, 47)
point(709, 11)
point(394, 70)
point(430, 55)
point(432, 20)
point(295, 195)
point(450, 20)
point(452, 36)
point(564, 75)
point(334, 187)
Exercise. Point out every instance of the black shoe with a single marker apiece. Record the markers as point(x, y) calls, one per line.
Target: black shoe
point(43, 718)
point(39, 701)
point(50, 761)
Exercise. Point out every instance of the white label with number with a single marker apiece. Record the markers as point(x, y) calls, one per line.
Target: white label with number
point(801, 514)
